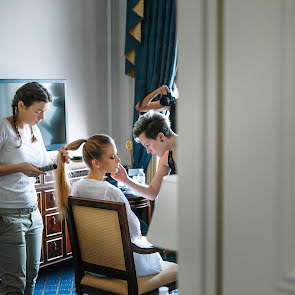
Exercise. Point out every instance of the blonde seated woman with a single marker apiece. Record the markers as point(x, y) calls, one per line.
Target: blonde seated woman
point(100, 155)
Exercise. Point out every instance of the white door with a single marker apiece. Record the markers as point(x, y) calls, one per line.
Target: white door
point(236, 148)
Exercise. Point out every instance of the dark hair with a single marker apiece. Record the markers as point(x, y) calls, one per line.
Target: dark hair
point(28, 94)
point(152, 123)
point(93, 149)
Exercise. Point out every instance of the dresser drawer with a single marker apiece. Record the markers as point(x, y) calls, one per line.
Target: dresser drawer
point(56, 243)
point(52, 224)
point(54, 249)
point(50, 200)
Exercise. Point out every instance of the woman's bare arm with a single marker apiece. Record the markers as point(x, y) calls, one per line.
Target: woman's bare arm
point(146, 104)
point(147, 191)
point(26, 168)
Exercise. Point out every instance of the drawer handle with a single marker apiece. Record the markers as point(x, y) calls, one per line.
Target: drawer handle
point(53, 221)
point(54, 246)
point(53, 196)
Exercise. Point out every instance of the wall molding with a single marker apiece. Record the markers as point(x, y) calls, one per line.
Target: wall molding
point(286, 282)
point(213, 275)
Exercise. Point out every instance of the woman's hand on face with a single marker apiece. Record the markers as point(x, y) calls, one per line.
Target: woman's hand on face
point(121, 175)
point(163, 90)
point(64, 153)
point(30, 170)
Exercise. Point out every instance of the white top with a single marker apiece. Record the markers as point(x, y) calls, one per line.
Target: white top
point(145, 264)
point(17, 190)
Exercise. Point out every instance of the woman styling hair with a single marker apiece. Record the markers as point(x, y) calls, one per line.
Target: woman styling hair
point(22, 152)
point(100, 155)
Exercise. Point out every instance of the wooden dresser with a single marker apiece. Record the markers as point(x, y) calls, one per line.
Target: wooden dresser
point(56, 243)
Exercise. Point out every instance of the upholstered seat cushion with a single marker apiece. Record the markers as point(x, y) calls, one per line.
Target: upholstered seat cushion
point(146, 283)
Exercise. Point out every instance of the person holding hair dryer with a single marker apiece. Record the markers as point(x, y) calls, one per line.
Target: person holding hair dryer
point(22, 152)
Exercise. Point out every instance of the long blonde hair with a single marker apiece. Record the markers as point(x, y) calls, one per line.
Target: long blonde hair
point(92, 149)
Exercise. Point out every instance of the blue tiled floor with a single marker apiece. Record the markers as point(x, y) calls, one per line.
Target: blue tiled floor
point(58, 280)
point(54, 280)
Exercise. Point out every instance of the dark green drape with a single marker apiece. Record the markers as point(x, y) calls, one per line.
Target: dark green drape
point(155, 55)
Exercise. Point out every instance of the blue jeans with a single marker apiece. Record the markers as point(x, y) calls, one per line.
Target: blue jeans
point(20, 249)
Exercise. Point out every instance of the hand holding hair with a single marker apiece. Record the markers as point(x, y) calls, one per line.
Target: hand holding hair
point(64, 153)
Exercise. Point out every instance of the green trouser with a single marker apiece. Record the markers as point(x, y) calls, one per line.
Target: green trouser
point(20, 249)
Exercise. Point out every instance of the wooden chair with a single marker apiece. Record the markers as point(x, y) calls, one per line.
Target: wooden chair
point(101, 245)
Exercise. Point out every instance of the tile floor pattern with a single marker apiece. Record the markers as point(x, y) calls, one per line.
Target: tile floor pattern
point(58, 280)
point(54, 282)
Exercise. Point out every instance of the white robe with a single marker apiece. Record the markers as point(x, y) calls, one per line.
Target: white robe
point(145, 264)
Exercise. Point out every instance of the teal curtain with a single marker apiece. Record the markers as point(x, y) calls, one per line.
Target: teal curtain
point(154, 52)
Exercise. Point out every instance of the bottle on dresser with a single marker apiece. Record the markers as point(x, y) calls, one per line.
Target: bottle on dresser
point(140, 176)
point(137, 175)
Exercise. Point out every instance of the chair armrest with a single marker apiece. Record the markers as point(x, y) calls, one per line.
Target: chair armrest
point(140, 250)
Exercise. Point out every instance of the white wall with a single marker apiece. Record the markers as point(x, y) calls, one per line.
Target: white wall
point(67, 39)
point(60, 39)
point(122, 85)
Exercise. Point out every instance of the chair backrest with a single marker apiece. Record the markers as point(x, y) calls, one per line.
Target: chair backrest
point(100, 239)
